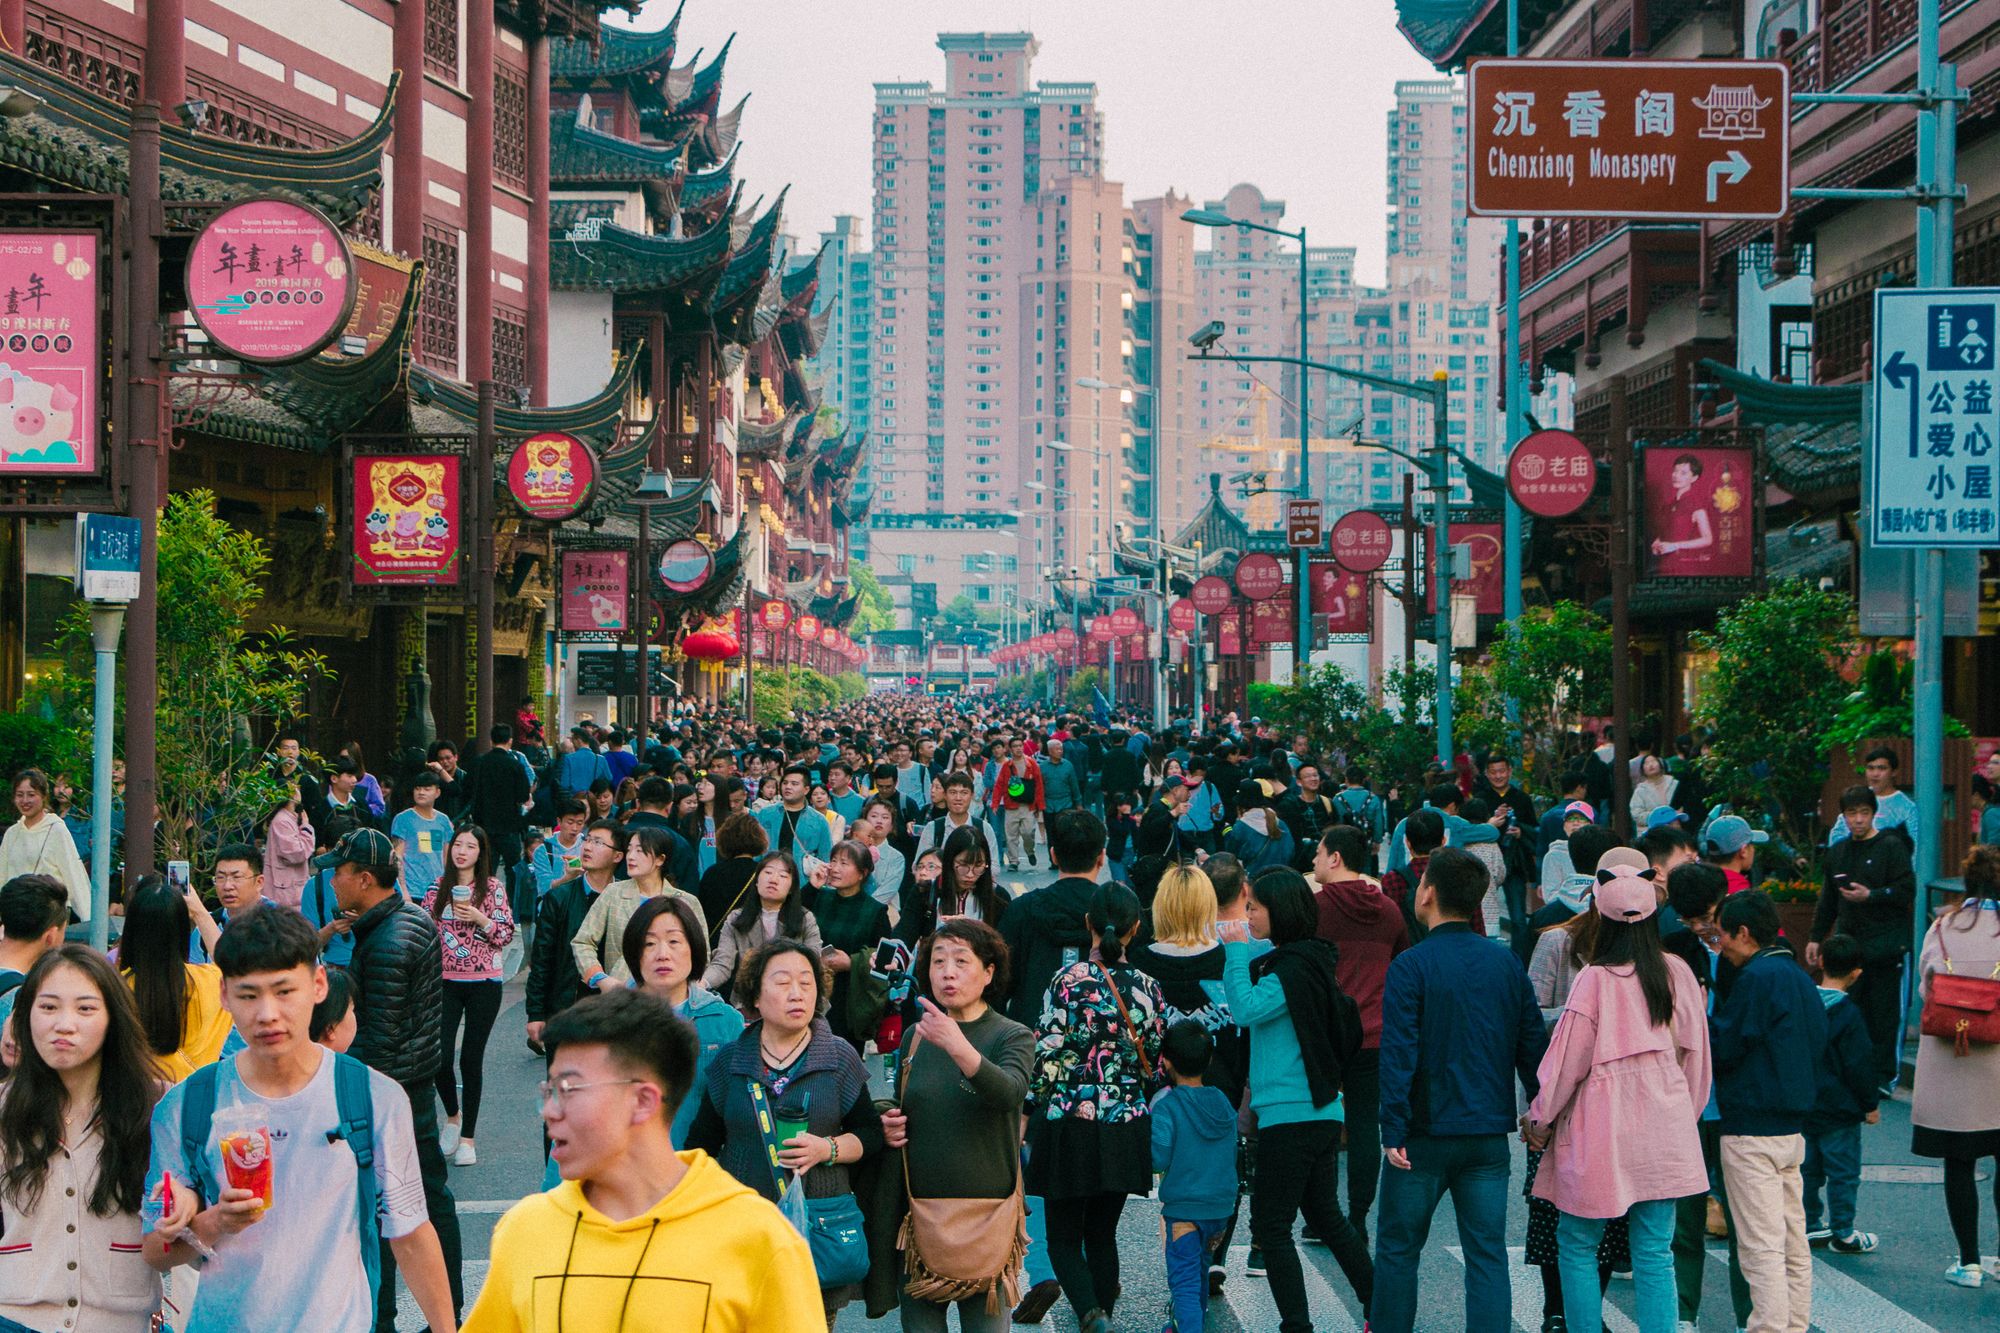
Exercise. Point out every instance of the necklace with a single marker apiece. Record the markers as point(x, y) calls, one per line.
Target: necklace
point(775, 1063)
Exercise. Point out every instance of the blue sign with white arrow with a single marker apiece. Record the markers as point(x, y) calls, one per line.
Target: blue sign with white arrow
point(1932, 455)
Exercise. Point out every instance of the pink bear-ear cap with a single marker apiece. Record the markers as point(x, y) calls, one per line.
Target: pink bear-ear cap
point(60, 399)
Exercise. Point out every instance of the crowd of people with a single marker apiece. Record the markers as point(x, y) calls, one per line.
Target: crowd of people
point(806, 1048)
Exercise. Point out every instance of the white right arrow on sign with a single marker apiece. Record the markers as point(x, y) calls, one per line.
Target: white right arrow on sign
point(1735, 167)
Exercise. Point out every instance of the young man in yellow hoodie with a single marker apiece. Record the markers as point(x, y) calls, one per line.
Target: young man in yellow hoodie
point(637, 1236)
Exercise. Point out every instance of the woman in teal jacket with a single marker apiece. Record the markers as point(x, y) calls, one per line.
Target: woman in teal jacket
point(665, 948)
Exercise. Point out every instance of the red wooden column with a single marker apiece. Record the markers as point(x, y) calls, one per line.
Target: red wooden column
point(166, 54)
point(538, 219)
point(406, 220)
point(14, 26)
point(479, 191)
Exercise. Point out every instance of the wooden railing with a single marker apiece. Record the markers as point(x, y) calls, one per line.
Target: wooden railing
point(1850, 37)
point(1553, 244)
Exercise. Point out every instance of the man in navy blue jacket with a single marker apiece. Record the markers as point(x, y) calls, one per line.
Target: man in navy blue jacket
point(1460, 1026)
point(1766, 1041)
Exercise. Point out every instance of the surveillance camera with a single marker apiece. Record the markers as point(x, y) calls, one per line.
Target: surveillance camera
point(1207, 336)
point(193, 113)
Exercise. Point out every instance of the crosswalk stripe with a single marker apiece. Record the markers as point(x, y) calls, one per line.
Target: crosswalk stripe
point(1527, 1292)
point(1840, 1303)
point(1250, 1300)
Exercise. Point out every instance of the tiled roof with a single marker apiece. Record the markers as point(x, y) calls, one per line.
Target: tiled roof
point(616, 51)
point(608, 257)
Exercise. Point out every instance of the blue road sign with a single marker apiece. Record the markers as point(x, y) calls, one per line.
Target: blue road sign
point(1932, 455)
point(107, 557)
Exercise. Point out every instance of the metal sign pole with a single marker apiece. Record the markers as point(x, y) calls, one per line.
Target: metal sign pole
point(107, 623)
point(1516, 384)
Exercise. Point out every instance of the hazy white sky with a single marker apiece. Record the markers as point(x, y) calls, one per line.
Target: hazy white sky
point(1197, 94)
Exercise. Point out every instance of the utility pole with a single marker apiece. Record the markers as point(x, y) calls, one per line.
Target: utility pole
point(486, 514)
point(1412, 567)
point(145, 461)
point(1441, 562)
point(1512, 535)
point(1302, 654)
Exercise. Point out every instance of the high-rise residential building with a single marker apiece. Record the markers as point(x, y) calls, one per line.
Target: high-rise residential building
point(1429, 232)
point(842, 367)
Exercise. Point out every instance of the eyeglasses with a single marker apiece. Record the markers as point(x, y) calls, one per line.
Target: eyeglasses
point(553, 1094)
point(604, 844)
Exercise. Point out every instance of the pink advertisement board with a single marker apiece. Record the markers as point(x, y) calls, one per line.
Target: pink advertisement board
point(270, 280)
point(49, 347)
point(407, 521)
point(596, 590)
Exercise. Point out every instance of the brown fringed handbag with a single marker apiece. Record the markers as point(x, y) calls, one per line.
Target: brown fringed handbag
point(955, 1249)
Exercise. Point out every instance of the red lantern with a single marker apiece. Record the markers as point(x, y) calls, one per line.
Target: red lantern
point(711, 643)
point(808, 628)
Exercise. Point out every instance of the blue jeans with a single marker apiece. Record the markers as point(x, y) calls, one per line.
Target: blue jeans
point(1037, 1263)
point(1655, 1303)
point(1474, 1170)
point(1833, 1158)
point(1187, 1268)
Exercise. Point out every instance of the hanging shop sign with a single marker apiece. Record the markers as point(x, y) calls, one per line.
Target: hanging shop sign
point(1340, 598)
point(1229, 636)
point(1551, 473)
point(270, 281)
point(1273, 621)
point(1102, 629)
point(49, 350)
point(686, 565)
point(775, 615)
point(596, 591)
point(1362, 541)
point(1181, 616)
point(1064, 638)
point(1212, 595)
point(807, 629)
point(1260, 577)
point(551, 475)
point(1487, 583)
point(1699, 519)
point(1126, 621)
point(408, 523)
point(381, 284)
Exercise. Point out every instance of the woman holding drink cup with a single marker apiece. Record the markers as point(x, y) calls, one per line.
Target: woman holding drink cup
point(475, 923)
point(75, 1134)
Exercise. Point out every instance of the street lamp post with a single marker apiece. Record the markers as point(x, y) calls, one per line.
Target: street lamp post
point(1437, 468)
point(1210, 217)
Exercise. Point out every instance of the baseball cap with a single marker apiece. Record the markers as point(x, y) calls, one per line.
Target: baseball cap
point(1579, 808)
point(1622, 858)
point(1729, 834)
point(1661, 816)
point(1626, 894)
point(1172, 782)
point(362, 847)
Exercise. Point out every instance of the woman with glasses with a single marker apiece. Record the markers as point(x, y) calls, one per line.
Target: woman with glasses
point(965, 888)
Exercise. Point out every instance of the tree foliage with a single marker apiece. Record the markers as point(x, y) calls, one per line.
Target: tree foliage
point(877, 611)
point(1393, 737)
point(1557, 665)
point(1884, 705)
point(1083, 686)
point(782, 694)
point(1770, 701)
point(221, 687)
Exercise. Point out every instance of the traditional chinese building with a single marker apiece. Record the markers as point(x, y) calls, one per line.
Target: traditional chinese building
point(1671, 328)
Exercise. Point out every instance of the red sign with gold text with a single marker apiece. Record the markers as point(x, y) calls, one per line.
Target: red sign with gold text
point(1685, 139)
point(1488, 584)
point(551, 475)
point(1273, 621)
point(407, 523)
point(1341, 596)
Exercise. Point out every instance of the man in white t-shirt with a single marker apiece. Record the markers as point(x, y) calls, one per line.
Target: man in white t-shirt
point(298, 1263)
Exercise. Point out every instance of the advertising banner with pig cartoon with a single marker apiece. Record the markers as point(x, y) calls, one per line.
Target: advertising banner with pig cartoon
point(49, 345)
point(407, 523)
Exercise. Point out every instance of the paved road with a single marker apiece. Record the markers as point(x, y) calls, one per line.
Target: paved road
point(1899, 1289)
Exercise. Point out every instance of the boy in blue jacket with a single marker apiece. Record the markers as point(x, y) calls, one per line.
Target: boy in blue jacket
point(1845, 1098)
point(1194, 1150)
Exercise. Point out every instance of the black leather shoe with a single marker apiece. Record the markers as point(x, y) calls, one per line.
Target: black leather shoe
point(1036, 1304)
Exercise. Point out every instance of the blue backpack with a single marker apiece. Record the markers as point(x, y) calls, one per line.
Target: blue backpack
point(355, 1106)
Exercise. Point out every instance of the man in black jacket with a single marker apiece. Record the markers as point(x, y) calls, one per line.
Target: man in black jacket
point(1307, 811)
point(1870, 893)
point(1045, 930)
point(1120, 770)
point(398, 971)
point(500, 787)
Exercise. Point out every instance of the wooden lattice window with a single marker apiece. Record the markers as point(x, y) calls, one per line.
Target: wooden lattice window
point(441, 38)
point(437, 343)
point(93, 60)
point(231, 115)
point(368, 226)
point(510, 348)
point(510, 127)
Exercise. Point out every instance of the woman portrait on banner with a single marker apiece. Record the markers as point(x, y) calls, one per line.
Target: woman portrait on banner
point(1681, 524)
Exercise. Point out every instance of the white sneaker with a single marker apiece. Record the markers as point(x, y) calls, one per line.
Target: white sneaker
point(447, 1138)
point(1993, 1266)
point(1965, 1275)
point(465, 1156)
point(1686, 1326)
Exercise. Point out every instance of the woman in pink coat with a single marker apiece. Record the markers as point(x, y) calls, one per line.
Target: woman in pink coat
point(1623, 1086)
point(288, 851)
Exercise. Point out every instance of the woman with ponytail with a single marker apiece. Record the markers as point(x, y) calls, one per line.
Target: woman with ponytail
point(1097, 1051)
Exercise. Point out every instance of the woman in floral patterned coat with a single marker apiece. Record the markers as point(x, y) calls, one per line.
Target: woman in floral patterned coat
point(1097, 1051)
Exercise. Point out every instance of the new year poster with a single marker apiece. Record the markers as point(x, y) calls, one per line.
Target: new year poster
point(407, 526)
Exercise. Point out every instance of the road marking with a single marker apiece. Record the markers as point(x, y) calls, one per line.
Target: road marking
point(488, 1205)
point(1841, 1304)
point(1527, 1293)
point(1912, 1175)
point(1249, 1298)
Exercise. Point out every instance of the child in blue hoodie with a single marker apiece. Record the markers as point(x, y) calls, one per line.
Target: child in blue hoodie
point(1194, 1150)
point(1844, 1100)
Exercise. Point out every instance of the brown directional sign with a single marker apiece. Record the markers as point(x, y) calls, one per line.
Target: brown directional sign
point(1629, 138)
point(1303, 520)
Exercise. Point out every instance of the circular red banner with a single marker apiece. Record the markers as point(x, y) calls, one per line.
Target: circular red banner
point(1181, 615)
point(1212, 595)
point(1362, 541)
point(1062, 638)
point(1102, 629)
point(1260, 577)
point(1552, 473)
point(808, 628)
point(775, 614)
point(686, 565)
point(1125, 620)
point(270, 281)
point(551, 475)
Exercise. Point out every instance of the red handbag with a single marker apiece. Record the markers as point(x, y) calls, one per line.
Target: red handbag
point(1964, 1010)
